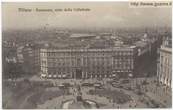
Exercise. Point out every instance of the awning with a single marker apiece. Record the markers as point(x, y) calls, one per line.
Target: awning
point(49, 75)
point(54, 76)
point(61, 85)
point(114, 75)
point(43, 75)
point(97, 85)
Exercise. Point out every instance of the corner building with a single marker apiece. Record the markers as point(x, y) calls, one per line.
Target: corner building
point(165, 65)
point(87, 63)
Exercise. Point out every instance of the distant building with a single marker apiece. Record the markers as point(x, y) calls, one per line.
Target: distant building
point(12, 59)
point(82, 36)
point(28, 55)
point(11, 67)
point(106, 35)
point(36, 54)
point(143, 47)
point(19, 54)
point(147, 55)
point(164, 72)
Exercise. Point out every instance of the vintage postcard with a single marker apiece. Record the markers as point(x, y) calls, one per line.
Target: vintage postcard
point(85, 55)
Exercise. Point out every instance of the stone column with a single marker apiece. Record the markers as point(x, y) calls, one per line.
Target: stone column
point(83, 75)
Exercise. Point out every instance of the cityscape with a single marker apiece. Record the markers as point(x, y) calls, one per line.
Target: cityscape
point(67, 65)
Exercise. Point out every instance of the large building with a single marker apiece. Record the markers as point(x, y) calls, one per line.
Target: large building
point(89, 56)
point(87, 62)
point(165, 64)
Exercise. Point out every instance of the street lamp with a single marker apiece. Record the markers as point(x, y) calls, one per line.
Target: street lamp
point(131, 76)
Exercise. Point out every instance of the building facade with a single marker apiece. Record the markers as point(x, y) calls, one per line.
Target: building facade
point(87, 63)
point(165, 62)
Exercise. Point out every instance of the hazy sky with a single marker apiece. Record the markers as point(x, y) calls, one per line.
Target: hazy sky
point(104, 15)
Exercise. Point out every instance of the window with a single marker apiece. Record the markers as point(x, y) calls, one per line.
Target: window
point(43, 63)
point(53, 54)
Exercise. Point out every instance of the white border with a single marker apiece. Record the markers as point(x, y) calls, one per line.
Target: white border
point(60, 1)
point(1, 56)
point(64, 0)
point(77, 0)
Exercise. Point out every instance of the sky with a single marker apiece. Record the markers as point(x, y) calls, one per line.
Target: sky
point(101, 15)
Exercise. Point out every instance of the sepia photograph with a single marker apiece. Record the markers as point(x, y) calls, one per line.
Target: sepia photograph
point(87, 55)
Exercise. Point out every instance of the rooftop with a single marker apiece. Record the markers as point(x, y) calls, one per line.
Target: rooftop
point(92, 41)
point(140, 44)
point(82, 35)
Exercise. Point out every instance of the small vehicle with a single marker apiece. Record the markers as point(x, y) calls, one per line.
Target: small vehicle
point(115, 82)
point(100, 87)
point(125, 81)
point(87, 84)
point(97, 84)
point(61, 86)
point(127, 88)
point(67, 84)
point(117, 86)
